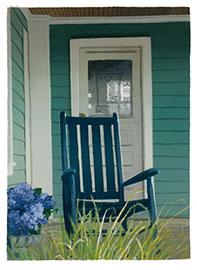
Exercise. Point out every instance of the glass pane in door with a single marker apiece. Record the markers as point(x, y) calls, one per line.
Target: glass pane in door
point(110, 87)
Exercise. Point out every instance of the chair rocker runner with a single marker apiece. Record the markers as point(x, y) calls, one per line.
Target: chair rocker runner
point(76, 134)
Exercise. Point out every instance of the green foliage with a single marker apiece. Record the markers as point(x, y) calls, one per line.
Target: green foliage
point(38, 190)
point(89, 241)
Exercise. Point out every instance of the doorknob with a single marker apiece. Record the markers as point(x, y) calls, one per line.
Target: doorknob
point(82, 114)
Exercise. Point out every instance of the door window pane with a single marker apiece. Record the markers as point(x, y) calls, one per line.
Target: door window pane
point(110, 87)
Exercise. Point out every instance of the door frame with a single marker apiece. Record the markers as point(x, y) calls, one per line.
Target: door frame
point(144, 43)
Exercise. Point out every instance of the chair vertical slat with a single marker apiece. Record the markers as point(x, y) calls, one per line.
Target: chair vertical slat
point(85, 154)
point(109, 160)
point(118, 158)
point(97, 157)
point(73, 150)
point(63, 141)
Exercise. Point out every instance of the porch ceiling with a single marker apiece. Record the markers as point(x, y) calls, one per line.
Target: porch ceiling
point(109, 11)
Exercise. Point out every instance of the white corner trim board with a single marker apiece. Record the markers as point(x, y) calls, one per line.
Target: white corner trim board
point(40, 96)
point(27, 108)
point(11, 163)
point(144, 43)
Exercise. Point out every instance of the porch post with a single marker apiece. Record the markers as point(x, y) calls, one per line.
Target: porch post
point(40, 95)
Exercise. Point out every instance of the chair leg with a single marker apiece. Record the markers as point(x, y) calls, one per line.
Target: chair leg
point(73, 200)
point(69, 205)
point(67, 221)
point(124, 225)
point(152, 204)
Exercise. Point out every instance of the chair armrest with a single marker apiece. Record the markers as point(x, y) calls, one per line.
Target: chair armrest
point(141, 177)
point(66, 174)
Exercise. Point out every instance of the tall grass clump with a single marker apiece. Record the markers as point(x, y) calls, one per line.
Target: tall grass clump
point(89, 241)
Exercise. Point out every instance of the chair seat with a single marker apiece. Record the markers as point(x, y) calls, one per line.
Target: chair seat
point(113, 208)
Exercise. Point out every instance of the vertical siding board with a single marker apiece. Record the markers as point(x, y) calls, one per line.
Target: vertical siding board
point(170, 78)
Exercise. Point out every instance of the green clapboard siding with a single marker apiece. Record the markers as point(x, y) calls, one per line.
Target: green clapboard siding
point(171, 84)
point(17, 24)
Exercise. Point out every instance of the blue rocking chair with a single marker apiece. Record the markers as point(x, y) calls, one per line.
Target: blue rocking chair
point(71, 146)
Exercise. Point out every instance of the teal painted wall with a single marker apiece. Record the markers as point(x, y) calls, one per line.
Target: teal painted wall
point(17, 24)
point(171, 88)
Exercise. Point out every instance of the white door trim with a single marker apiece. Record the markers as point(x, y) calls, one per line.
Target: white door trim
point(146, 80)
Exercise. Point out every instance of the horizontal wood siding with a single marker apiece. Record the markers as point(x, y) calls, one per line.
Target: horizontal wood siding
point(171, 84)
point(17, 25)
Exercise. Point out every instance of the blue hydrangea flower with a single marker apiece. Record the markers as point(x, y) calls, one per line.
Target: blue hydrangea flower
point(34, 216)
point(47, 200)
point(27, 210)
point(20, 196)
point(16, 225)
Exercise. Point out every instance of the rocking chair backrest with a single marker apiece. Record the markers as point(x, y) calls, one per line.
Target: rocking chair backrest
point(80, 140)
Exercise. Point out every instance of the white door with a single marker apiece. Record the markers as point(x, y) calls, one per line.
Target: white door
point(109, 81)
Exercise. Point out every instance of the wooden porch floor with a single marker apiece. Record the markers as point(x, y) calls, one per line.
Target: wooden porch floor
point(179, 225)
